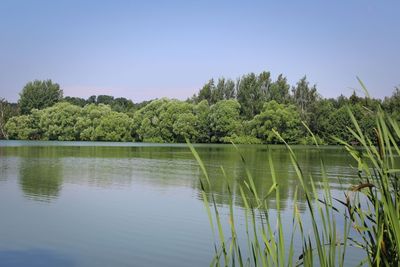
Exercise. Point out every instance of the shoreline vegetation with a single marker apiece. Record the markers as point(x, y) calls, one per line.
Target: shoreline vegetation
point(245, 111)
point(365, 217)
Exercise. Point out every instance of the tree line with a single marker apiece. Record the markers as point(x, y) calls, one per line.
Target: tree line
point(247, 110)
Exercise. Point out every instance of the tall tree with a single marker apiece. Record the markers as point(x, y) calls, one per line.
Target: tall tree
point(92, 99)
point(105, 99)
point(279, 90)
point(303, 96)
point(39, 95)
point(218, 93)
point(229, 89)
point(77, 101)
point(121, 104)
point(251, 93)
point(206, 92)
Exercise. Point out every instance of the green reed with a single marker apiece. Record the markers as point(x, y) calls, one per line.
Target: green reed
point(369, 210)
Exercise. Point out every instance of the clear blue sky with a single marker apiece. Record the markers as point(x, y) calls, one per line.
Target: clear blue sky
point(147, 49)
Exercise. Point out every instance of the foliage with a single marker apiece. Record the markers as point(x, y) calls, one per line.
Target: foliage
point(206, 92)
point(252, 92)
point(184, 127)
point(206, 117)
point(67, 122)
point(22, 127)
point(39, 95)
point(89, 120)
point(276, 117)
point(339, 120)
point(224, 90)
point(392, 104)
point(279, 90)
point(146, 123)
point(224, 120)
point(202, 112)
point(167, 120)
point(77, 101)
point(105, 99)
point(58, 122)
point(304, 96)
point(318, 118)
point(242, 139)
point(114, 126)
point(119, 104)
point(311, 140)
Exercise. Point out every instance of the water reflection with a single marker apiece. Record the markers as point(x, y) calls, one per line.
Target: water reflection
point(40, 178)
point(336, 161)
point(44, 169)
point(118, 206)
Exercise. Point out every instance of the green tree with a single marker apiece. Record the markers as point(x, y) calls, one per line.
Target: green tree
point(282, 118)
point(218, 93)
point(58, 122)
point(146, 121)
point(91, 116)
point(279, 90)
point(114, 126)
point(304, 96)
point(165, 120)
point(320, 112)
point(105, 99)
point(206, 92)
point(202, 111)
point(22, 127)
point(169, 114)
point(185, 127)
point(340, 120)
point(229, 89)
point(224, 119)
point(39, 95)
point(252, 92)
point(77, 101)
point(92, 99)
point(121, 104)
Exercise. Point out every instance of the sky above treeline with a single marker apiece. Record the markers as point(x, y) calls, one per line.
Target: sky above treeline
point(150, 49)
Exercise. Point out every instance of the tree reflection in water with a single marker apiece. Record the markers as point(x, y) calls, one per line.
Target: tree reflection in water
point(40, 175)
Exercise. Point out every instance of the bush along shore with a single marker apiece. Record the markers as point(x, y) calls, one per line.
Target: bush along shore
point(245, 111)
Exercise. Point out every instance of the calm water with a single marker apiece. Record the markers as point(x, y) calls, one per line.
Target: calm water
point(124, 204)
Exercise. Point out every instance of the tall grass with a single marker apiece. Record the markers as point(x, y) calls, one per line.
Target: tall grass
point(368, 211)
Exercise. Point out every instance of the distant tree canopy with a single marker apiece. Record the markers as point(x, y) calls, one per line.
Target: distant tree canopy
point(39, 95)
point(67, 122)
point(248, 110)
point(119, 104)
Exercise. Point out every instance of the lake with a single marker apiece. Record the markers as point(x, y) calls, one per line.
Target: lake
point(132, 204)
